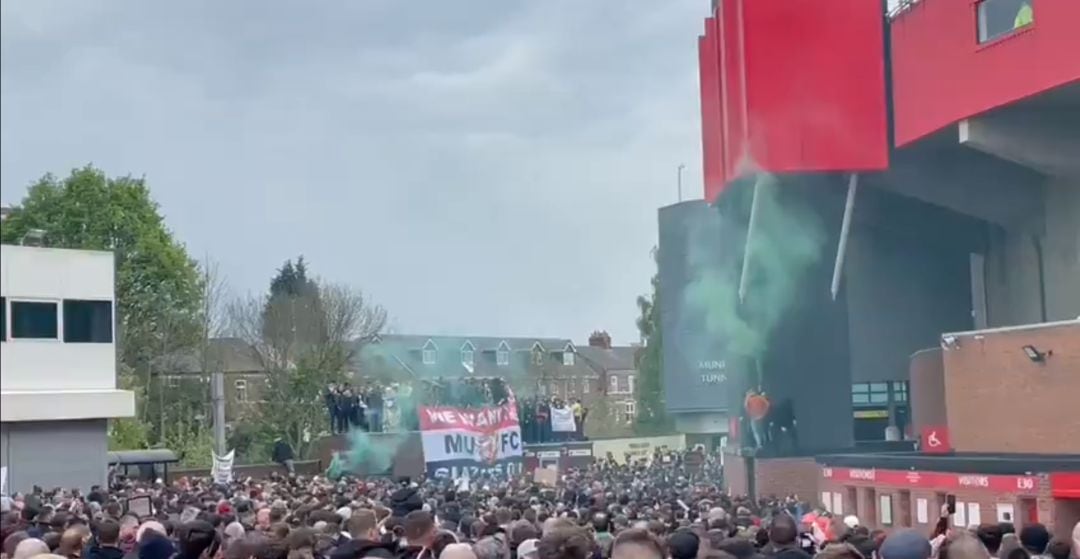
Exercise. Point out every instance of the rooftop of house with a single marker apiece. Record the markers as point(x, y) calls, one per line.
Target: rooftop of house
point(479, 356)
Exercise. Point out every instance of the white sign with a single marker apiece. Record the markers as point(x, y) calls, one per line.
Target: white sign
point(837, 503)
point(885, 509)
point(826, 500)
point(960, 518)
point(3, 480)
point(221, 470)
point(562, 420)
point(922, 514)
point(974, 514)
point(1005, 512)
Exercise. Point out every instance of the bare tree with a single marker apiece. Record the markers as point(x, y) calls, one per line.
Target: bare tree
point(303, 342)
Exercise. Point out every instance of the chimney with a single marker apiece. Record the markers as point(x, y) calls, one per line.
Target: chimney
point(601, 339)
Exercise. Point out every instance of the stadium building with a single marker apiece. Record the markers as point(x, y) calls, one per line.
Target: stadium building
point(929, 150)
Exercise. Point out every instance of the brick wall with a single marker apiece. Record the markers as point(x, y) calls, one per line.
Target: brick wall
point(784, 476)
point(772, 476)
point(927, 378)
point(735, 478)
point(1055, 514)
point(240, 471)
point(998, 400)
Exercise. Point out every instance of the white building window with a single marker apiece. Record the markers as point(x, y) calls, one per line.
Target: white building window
point(241, 390)
point(467, 357)
point(586, 386)
point(630, 384)
point(34, 320)
point(538, 357)
point(629, 410)
point(613, 384)
point(568, 358)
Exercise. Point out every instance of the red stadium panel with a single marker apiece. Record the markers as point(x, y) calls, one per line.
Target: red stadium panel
point(942, 74)
point(712, 141)
point(802, 87)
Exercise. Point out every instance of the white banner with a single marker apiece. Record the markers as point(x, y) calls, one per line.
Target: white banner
point(562, 420)
point(481, 447)
point(221, 471)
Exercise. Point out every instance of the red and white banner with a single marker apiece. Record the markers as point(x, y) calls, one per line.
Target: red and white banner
point(460, 442)
point(942, 481)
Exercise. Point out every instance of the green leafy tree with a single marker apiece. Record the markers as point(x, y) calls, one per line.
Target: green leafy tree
point(157, 284)
point(305, 334)
point(652, 415)
point(158, 287)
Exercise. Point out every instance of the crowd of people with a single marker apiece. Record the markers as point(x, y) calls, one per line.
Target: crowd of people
point(391, 407)
point(664, 509)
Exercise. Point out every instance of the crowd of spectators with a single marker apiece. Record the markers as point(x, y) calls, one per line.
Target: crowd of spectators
point(663, 509)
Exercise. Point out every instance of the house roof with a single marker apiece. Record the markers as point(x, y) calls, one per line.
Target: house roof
point(405, 353)
point(228, 355)
point(619, 358)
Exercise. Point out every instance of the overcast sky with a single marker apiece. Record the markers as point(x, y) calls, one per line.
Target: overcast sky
point(477, 167)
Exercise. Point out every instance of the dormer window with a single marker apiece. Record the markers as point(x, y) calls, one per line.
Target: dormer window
point(430, 353)
point(502, 355)
point(538, 354)
point(467, 354)
point(568, 358)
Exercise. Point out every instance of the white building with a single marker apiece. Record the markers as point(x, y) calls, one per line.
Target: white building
point(58, 363)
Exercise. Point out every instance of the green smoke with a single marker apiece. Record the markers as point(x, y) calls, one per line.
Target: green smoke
point(787, 241)
point(369, 454)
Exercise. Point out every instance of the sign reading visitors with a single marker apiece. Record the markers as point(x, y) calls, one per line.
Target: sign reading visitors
point(460, 442)
point(940, 481)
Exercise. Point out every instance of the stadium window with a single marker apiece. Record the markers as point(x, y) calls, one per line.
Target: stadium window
point(34, 320)
point(997, 18)
point(879, 393)
point(860, 394)
point(568, 358)
point(900, 391)
point(88, 321)
point(241, 390)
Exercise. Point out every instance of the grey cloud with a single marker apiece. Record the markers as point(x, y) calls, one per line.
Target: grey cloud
point(478, 167)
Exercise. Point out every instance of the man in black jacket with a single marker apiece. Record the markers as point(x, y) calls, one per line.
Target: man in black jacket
point(364, 531)
point(406, 499)
point(283, 454)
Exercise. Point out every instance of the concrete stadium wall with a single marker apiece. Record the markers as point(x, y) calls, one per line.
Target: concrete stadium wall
point(1012, 262)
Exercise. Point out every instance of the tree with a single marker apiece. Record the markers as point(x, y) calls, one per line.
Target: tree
point(158, 288)
point(652, 415)
point(305, 334)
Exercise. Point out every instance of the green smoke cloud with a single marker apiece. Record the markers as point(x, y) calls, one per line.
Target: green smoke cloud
point(787, 240)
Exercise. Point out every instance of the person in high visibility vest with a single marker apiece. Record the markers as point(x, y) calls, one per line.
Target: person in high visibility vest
point(1024, 16)
point(757, 408)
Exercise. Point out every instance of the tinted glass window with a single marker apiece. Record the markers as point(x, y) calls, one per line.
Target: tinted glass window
point(33, 320)
point(87, 321)
point(1001, 17)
